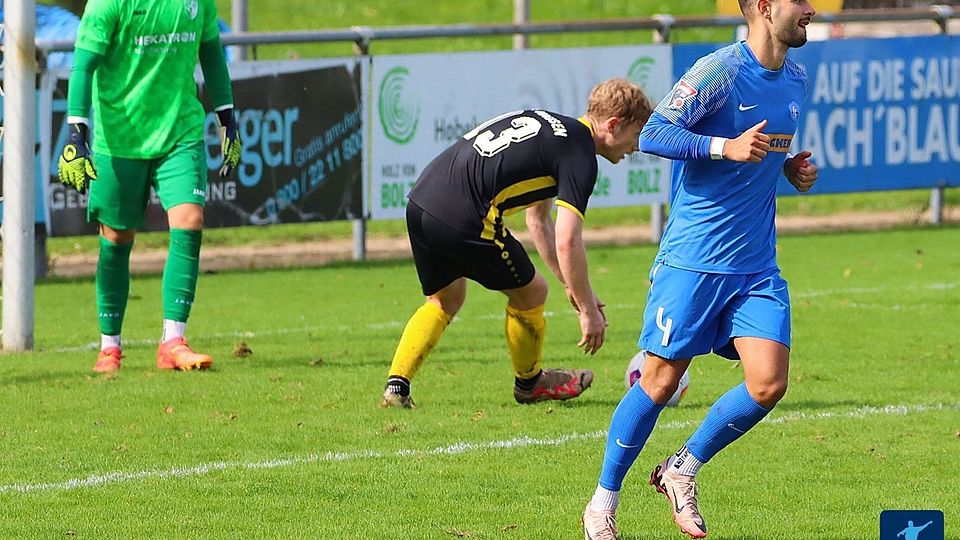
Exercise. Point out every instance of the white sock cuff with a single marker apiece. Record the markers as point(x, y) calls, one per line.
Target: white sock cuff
point(109, 341)
point(685, 463)
point(173, 329)
point(604, 499)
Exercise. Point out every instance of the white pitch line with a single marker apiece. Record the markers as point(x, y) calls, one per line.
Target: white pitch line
point(458, 448)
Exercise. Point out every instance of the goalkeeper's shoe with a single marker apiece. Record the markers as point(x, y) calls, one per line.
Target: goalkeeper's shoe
point(555, 384)
point(176, 354)
point(393, 399)
point(108, 360)
point(681, 491)
point(598, 525)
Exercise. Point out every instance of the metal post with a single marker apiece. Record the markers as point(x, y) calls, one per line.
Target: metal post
point(657, 210)
point(936, 205)
point(19, 110)
point(360, 239)
point(238, 16)
point(361, 48)
point(662, 34)
point(521, 15)
point(656, 222)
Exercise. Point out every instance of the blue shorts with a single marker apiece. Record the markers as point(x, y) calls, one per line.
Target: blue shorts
point(692, 313)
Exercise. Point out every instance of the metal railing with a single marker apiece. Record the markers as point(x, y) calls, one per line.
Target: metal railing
point(362, 36)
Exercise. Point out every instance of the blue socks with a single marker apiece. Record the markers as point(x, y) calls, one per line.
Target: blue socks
point(729, 418)
point(629, 429)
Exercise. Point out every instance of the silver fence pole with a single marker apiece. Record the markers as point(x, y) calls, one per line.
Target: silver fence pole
point(360, 239)
point(657, 210)
point(238, 16)
point(19, 111)
point(936, 205)
point(937, 193)
point(521, 15)
point(361, 47)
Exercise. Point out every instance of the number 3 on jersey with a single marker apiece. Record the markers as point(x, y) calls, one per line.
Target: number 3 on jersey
point(522, 128)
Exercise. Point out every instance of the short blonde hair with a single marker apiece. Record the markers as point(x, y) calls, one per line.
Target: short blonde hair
point(621, 98)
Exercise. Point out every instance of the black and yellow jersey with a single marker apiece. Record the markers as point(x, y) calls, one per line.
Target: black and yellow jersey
point(506, 164)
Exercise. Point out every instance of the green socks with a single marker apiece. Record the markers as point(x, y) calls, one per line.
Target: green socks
point(113, 285)
point(179, 279)
point(180, 273)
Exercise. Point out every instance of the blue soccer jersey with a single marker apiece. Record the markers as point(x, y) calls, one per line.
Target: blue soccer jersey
point(722, 212)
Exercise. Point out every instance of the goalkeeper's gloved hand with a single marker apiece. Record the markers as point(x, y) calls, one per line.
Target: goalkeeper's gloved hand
point(75, 165)
point(229, 141)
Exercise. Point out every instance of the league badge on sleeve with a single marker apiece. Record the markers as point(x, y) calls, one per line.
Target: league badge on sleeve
point(681, 93)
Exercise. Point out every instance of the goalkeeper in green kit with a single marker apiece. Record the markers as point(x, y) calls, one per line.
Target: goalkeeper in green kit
point(134, 61)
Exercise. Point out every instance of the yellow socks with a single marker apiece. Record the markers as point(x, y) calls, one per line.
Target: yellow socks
point(422, 332)
point(525, 331)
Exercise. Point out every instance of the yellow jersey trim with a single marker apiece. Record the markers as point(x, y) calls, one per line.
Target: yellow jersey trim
point(583, 120)
point(520, 188)
point(569, 206)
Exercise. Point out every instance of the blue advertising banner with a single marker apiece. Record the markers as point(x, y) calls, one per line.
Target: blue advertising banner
point(880, 114)
point(883, 113)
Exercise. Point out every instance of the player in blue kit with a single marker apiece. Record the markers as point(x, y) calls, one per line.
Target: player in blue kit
point(715, 284)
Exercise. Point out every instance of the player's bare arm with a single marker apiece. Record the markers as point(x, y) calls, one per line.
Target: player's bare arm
point(572, 257)
point(750, 147)
point(800, 171)
point(541, 227)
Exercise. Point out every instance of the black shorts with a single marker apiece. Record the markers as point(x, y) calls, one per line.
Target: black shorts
point(443, 254)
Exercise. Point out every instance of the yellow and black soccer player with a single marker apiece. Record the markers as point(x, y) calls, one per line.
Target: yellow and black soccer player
point(134, 61)
point(518, 160)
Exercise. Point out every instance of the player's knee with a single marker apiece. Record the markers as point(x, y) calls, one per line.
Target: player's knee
point(659, 386)
point(768, 393)
point(537, 294)
point(186, 216)
point(450, 306)
point(450, 299)
point(117, 236)
point(529, 296)
point(192, 222)
point(661, 393)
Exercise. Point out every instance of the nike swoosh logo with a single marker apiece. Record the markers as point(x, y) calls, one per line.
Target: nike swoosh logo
point(743, 107)
point(735, 428)
point(675, 506)
point(627, 446)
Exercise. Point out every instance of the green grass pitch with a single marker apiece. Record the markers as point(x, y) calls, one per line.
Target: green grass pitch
point(289, 443)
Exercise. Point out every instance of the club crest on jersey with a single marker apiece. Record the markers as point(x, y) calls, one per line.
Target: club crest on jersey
point(681, 93)
point(794, 110)
point(192, 8)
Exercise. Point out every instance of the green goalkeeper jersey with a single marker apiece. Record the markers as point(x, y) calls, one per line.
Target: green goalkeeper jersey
point(144, 93)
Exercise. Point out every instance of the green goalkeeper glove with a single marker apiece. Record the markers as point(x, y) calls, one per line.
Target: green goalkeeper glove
point(229, 142)
point(75, 166)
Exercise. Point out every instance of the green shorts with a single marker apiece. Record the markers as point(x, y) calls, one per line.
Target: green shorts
point(119, 195)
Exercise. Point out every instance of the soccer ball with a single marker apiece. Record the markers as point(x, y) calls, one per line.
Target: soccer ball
point(635, 367)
